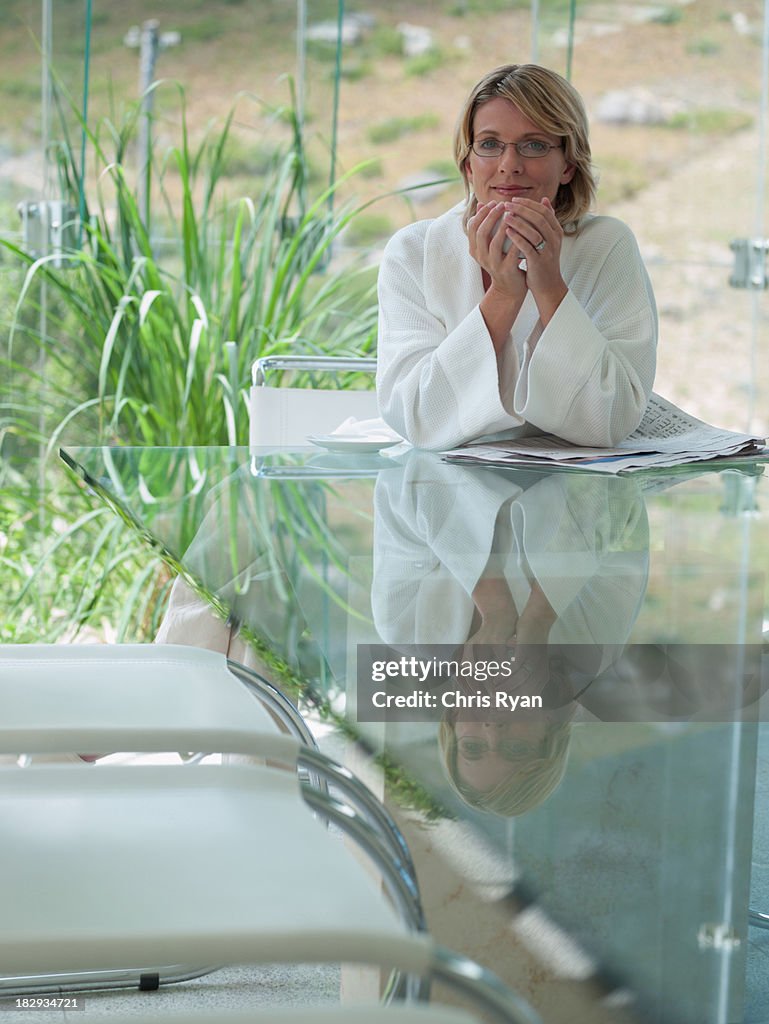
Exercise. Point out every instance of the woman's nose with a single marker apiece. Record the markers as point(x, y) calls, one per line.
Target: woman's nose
point(510, 160)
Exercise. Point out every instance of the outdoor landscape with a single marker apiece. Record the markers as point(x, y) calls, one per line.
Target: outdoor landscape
point(674, 92)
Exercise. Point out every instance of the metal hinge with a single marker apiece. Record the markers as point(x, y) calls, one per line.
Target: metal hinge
point(50, 228)
point(719, 936)
point(749, 263)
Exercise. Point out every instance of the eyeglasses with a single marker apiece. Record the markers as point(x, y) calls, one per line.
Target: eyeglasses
point(529, 149)
point(473, 749)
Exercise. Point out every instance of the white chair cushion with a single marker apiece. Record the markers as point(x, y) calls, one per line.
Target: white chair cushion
point(61, 686)
point(215, 864)
point(285, 416)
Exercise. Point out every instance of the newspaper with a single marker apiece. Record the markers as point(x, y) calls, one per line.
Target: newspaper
point(666, 436)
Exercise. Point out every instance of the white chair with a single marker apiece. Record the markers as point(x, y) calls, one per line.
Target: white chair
point(205, 864)
point(284, 416)
point(63, 698)
point(57, 686)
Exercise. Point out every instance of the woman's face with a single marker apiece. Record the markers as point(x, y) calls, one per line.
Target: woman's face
point(492, 752)
point(502, 178)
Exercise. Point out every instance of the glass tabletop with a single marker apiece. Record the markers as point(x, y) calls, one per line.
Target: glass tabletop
point(573, 664)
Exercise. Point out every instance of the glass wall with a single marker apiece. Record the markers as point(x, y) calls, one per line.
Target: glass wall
point(676, 93)
point(367, 94)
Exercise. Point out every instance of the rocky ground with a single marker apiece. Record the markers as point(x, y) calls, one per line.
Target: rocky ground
point(714, 339)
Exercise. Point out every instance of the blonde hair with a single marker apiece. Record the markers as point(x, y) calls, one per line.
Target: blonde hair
point(526, 787)
point(555, 106)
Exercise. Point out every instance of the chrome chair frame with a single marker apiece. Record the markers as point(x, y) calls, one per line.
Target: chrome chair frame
point(330, 364)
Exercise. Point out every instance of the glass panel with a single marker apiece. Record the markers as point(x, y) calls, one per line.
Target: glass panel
point(677, 98)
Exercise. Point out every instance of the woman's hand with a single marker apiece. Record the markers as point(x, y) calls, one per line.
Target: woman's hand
point(535, 232)
point(505, 282)
point(496, 608)
point(537, 618)
point(486, 234)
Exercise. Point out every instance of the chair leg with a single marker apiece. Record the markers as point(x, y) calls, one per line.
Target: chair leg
point(97, 981)
point(363, 800)
point(758, 920)
point(323, 771)
point(276, 701)
point(398, 882)
point(482, 987)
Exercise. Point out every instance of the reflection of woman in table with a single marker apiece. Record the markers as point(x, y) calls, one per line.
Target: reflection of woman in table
point(552, 568)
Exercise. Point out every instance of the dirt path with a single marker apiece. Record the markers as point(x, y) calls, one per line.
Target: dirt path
point(714, 339)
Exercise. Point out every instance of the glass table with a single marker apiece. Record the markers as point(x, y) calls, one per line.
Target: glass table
point(569, 665)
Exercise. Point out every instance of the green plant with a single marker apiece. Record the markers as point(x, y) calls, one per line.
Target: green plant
point(711, 121)
point(461, 8)
point(385, 41)
point(425, 62)
point(202, 30)
point(354, 72)
point(668, 16)
point(162, 347)
point(703, 47)
point(133, 342)
point(395, 127)
point(372, 168)
point(248, 157)
point(369, 228)
point(321, 50)
point(620, 178)
point(69, 565)
point(443, 168)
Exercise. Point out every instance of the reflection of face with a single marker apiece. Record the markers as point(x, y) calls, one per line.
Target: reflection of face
point(489, 753)
point(501, 179)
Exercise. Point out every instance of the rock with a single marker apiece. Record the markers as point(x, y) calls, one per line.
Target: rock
point(740, 23)
point(561, 37)
point(417, 39)
point(133, 37)
point(635, 106)
point(354, 27)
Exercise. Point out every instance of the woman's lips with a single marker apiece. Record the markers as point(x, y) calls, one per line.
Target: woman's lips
point(511, 190)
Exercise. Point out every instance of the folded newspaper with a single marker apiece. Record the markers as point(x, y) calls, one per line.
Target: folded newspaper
point(666, 436)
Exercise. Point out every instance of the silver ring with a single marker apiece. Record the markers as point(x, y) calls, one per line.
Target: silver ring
point(540, 246)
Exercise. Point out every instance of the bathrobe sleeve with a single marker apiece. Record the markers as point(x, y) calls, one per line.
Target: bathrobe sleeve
point(586, 377)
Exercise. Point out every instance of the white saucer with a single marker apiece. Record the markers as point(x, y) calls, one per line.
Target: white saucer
point(340, 443)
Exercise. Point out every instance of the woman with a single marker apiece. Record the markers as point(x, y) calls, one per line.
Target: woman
point(517, 312)
point(472, 564)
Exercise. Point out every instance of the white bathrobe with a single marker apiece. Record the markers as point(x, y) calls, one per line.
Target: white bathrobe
point(587, 380)
point(584, 539)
